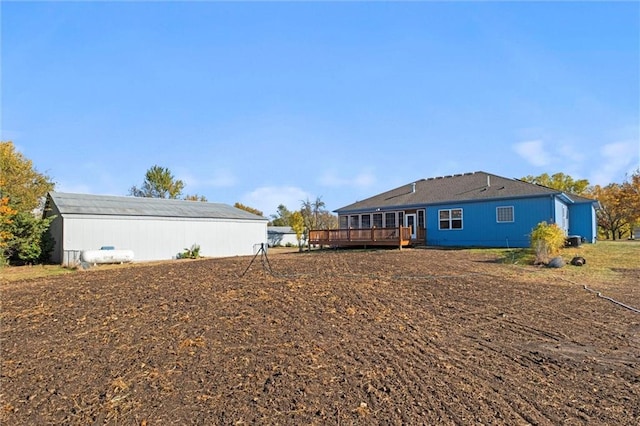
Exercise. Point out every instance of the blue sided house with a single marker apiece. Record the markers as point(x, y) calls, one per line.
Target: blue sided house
point(473, 210)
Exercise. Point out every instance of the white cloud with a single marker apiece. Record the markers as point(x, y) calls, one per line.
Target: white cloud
point(74, 188)
point(615, 160)
point(364, 179)
point(268, 198)
point(221, 178)
point(533, 152)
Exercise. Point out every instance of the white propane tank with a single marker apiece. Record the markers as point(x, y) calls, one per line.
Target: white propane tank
point(106, 256)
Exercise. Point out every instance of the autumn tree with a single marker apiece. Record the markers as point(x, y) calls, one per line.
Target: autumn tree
point(619, 210)
point(316, 216)
point(248, 209)
point(630, 195)
point(21, 182)
point(559, 181)
point(310, 212)
point(296, 222)
point(611, 215)
point(158, 183)
point(7, 215)
point(23, 232)
point(326, 220)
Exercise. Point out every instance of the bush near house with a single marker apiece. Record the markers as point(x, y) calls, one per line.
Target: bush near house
point(546, 241)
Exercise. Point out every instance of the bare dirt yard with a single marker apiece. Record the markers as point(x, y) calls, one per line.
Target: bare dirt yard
point(329, 337)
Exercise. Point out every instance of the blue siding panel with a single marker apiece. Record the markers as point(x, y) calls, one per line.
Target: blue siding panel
point(480, 225)
point(582, 221)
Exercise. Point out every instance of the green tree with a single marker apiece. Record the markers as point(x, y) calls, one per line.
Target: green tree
point(23, 233)
point(196, 197)
point(296, 222)
point(30, 243)
point(559, 181)
point(248, 209)
point(282, 216)
point(158, 183)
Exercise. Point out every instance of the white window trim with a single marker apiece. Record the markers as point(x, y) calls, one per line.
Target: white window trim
point(451, 219)
point(513, 215)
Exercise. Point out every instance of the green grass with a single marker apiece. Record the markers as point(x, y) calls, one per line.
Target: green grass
point(605, 260)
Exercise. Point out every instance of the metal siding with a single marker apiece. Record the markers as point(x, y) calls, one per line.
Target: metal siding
point(582, 221)
point(56, 232)
point(559, 217)
point(480, 227)
point(164, 238)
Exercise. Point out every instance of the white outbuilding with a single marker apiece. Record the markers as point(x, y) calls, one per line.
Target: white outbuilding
point(151, 228)
point(281, 236)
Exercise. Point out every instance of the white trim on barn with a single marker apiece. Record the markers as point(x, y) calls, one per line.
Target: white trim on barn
point(154, 229)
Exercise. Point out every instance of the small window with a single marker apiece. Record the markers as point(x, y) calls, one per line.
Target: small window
point(504, 214)
point(421, 219)
point(389, 220)
point(366, 221)
point(450, 219)
point(355, 222)
point(377, 220)
point(344, 222)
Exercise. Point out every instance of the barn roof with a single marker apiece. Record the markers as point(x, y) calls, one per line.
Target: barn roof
point(474, 186)
point(280, 229)
point(109, 205)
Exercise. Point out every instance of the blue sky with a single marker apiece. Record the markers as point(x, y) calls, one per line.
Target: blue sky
point(269, 103)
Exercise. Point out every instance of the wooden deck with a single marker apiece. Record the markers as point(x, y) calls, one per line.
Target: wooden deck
point(399, 237)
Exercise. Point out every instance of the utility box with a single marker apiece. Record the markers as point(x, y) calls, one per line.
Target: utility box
point(573, 241)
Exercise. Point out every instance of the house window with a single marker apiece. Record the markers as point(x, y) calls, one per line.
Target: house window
point(450, 219)
point(355, 222)
point(504, 214)
point(377, 220)
point(421, 219)
point(390, 220)
point(366, 221)
point(344, 222)
point(400, 218)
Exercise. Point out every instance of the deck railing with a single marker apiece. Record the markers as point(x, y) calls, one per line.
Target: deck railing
point(400, 237)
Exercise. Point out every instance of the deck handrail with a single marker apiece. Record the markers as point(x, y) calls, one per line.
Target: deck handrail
point(361, 236)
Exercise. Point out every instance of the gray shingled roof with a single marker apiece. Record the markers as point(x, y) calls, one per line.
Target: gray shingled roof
point(138, 206)
point(455, 188)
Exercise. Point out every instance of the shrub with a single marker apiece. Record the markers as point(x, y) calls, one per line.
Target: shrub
point(191, 253)
point(546, 241)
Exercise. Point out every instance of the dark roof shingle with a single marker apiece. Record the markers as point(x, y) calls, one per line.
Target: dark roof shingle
point(461, 187)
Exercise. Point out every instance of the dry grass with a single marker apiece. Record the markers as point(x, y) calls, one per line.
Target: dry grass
point(602, 259)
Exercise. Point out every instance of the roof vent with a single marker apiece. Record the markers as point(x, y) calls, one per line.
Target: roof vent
point(488, 181)
point(413, 187)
